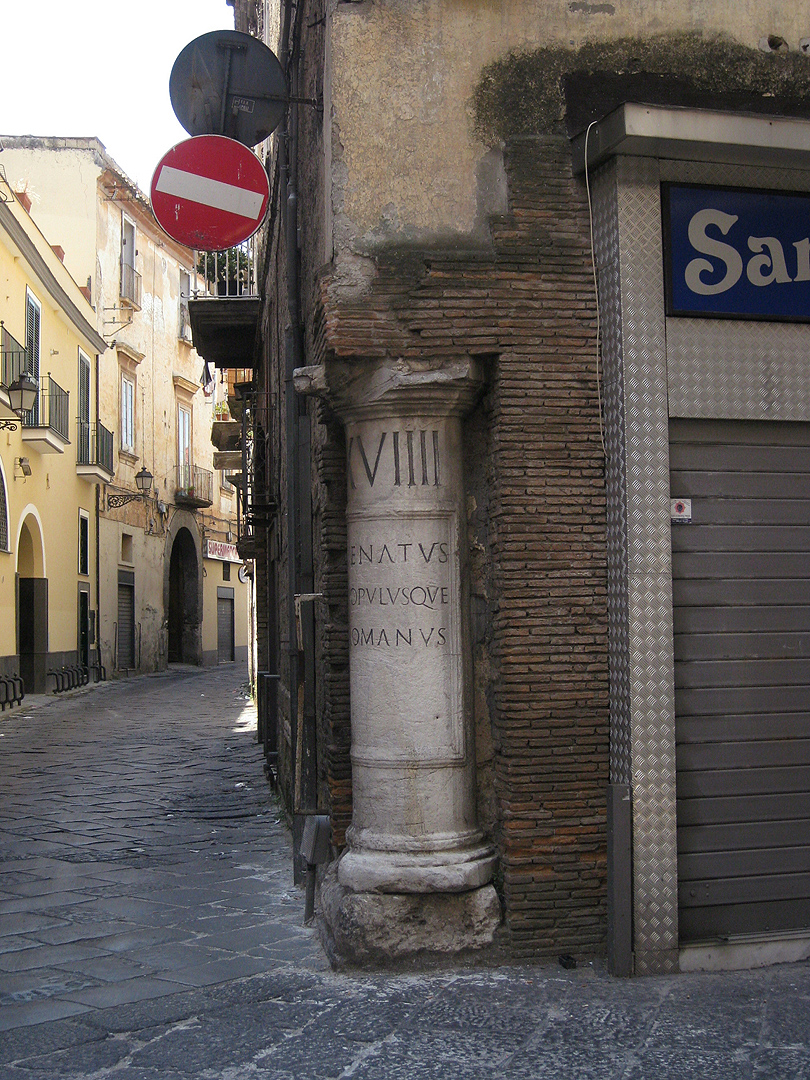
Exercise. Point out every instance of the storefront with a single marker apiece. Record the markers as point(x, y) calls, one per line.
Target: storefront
point(225, 600)
point(702, 243)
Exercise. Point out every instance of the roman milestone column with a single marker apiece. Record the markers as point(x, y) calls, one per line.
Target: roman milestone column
point(416, 872)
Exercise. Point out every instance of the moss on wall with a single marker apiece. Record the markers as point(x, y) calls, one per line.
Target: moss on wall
point(556, 90)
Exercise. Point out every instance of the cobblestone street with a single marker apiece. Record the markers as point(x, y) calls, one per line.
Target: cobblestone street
point(150, 930)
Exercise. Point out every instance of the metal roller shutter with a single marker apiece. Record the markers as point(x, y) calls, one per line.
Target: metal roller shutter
point(225, 634)
point(741, 608)
point(126, 621)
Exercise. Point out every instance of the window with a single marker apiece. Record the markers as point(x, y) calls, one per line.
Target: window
point(84, 407)
point(184, 326)
point(128, 361)
point(130, 279)
point(126, 548)
point(184, 447)
point(33, 323)
point(84, 542)
point(127, 414)
point(226, 571)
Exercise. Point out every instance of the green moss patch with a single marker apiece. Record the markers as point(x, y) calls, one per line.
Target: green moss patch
point(554, 91)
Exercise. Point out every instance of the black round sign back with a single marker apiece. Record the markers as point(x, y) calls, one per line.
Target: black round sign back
point(228, 83)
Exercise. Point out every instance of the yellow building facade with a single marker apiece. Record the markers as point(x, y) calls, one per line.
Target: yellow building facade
point(169, 582)
point(48, 466)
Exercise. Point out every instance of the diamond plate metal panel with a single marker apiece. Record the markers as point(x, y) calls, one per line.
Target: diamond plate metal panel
point(606, 249)
point(628, 246)
point(738, 371)
point(753, 176)
point(656, 963)
point(655, 877)
point(655, 900)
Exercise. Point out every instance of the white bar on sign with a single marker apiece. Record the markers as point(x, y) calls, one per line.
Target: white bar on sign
point(213, 193)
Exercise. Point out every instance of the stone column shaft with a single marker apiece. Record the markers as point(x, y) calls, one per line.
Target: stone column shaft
point(414, 826)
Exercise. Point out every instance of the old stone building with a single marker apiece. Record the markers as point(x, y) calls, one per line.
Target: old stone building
point(530, 433)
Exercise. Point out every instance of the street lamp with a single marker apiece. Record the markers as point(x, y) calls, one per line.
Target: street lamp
point(22, 395)
point(23, 392)
point(143, 482)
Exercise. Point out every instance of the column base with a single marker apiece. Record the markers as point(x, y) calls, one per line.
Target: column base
point(367, 928)
point(451, 871)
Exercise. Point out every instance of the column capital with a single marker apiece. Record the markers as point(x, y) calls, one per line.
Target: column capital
point(360, 391)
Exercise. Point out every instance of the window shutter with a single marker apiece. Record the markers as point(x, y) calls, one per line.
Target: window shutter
point(84, 389)
point(32, 335)
point(3, 516)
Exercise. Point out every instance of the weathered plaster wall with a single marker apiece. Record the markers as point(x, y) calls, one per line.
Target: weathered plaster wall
point(407, 160)
point(73, 172)
point(147, 563)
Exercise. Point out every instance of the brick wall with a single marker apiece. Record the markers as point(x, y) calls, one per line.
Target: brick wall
point(549, 564)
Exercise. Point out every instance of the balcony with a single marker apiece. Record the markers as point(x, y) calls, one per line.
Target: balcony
point(229, 461)
point(94, 453)
point(194, 486)
point(226, 434)
point(45, 427)
point(13, 358)
point(13, 362)
point(130, 286)
point(224, 307)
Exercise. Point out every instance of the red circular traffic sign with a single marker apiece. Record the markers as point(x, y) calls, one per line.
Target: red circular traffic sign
point(210, 193)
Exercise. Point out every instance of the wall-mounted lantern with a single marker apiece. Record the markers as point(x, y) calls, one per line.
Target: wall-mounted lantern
point(143, 482)
point(22, 396)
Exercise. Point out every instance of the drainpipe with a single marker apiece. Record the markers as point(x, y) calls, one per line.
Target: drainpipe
point(299, 517)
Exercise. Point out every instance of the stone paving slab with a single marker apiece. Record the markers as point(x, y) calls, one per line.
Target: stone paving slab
point(150, 930)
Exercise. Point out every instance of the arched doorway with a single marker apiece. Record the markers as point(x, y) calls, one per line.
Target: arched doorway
point(32, 606)
point(184, 601)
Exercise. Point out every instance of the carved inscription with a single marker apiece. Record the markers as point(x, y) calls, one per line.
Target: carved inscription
point(404, 633)
point(411, 611)
point(397, 551)
point(411, 459)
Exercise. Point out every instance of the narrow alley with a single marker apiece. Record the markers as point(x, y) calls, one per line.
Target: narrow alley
point(150, 930)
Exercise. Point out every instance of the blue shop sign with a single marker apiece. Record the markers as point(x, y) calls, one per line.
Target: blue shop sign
point(736, 253)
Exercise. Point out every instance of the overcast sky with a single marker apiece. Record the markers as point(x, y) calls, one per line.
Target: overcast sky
point(87, 67)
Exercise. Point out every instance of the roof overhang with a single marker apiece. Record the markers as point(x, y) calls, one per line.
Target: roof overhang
point(694, 135)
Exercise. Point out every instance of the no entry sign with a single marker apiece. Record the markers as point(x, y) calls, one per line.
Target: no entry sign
point(210, 193)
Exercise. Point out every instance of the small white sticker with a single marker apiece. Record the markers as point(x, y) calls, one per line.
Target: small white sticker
point(681, 510)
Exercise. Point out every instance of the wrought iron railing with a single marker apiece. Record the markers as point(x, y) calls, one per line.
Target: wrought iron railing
point(50, 409)
point(255, 506)
point(194, 484)
point(225, 273)
point(130, 285)
point(95, 445)
point(13, 358)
